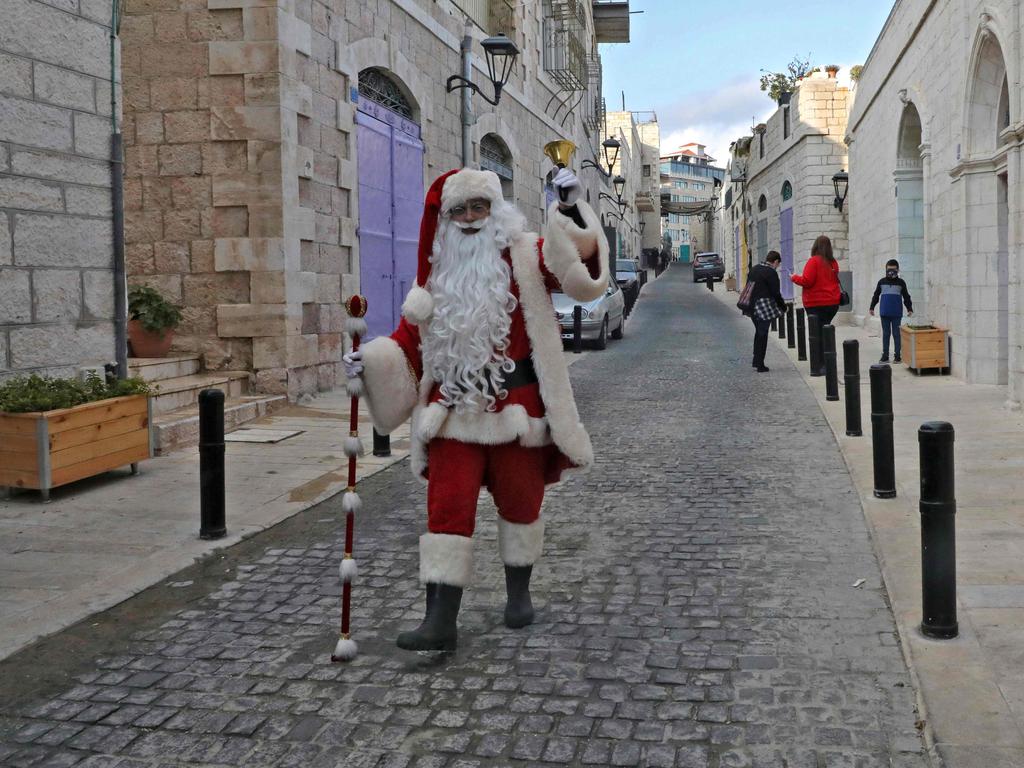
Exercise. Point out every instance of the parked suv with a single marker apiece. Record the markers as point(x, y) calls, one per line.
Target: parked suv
point(708, 266)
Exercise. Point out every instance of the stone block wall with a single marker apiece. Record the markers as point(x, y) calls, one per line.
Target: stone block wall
point(56, 235)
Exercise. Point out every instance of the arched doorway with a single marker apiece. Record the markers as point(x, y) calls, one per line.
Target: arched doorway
point(987, 224)
point(909, 178)
point(786, 241)
point(495, 156)
point(390, 156)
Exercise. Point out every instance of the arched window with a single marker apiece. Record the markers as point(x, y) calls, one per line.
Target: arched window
point(762, 204)
point(495, 156)
point(378, 87)
point(787, 191)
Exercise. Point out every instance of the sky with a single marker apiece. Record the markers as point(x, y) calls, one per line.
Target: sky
point(697, 64)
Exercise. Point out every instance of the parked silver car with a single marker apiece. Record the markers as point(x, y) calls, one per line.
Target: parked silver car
point(602, 317)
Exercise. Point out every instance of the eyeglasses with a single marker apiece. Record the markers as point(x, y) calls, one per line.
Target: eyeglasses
point(479, 207)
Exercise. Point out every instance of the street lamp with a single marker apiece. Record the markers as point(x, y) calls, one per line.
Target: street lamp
point(619, 183)
point(610, 147)
point(841, 182)
point(501, 54)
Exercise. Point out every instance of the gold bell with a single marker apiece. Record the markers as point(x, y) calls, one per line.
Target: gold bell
point(560, 152)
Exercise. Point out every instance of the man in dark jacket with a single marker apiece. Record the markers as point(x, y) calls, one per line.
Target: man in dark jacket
point(893, 294)
point(766, 304)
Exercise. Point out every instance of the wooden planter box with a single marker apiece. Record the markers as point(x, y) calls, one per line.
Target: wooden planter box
point(47, 449)
point(925, 348)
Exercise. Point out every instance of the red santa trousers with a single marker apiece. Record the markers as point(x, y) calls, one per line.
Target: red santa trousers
point(514, 475)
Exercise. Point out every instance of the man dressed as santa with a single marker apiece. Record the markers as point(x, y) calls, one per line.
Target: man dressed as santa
point(477, 363)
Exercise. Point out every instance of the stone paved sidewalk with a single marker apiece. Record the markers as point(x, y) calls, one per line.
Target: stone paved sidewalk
point(697, 608)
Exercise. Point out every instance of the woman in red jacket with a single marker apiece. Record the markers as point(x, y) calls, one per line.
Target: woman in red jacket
point(820, 282)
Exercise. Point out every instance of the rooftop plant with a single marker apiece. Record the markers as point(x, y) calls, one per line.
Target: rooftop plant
point(777, 83)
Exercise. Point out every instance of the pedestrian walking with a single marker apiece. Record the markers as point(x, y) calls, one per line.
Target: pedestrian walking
point(477, 364)
point(820, 283)
point(765, 304)
point(890, 296)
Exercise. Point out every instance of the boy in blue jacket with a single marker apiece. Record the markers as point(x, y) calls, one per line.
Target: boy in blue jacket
point(893, 294)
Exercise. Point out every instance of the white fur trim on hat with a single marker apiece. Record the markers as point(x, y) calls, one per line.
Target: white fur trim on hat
point(520, 544)
point(469, 184)
point(446, 559)
point(418, 306)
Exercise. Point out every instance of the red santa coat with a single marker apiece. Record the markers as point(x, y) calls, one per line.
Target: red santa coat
point(571, 258)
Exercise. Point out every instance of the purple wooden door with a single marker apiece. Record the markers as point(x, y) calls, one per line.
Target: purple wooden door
point(736, 257)
point(390, 205)
point(786, 249)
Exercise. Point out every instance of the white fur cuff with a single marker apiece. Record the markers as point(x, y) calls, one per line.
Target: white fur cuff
point(390, 389)
point(566, 246)
point(418, 306)
point(446, 559)
point(520, 544)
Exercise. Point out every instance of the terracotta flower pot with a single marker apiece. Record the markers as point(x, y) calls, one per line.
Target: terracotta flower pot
point(147, 343)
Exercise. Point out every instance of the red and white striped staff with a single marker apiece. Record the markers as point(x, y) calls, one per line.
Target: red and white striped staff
point(355, 325)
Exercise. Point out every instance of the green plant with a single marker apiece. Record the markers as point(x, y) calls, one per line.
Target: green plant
point(156, 313)
point(28, 394)
point(855, 72)
point(777, 83)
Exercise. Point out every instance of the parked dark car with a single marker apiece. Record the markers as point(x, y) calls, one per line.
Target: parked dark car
point(602, 317)
point(708, 266)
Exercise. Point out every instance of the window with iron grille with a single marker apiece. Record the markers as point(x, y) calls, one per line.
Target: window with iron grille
point(787, 191)
point(495, 156)
point(375, 85)
point(565, 55)
point(492, 16)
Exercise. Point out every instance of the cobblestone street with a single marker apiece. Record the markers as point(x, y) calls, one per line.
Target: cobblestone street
point(696, 607)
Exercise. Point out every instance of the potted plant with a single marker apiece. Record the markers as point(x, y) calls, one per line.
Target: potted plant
point(55, 431)
point(925, 346)
point(151, 323)
point(832, 70)
point(855, 72)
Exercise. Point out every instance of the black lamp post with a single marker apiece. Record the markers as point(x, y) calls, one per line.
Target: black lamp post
point(610, 147)
point(619, 183)
point(841, 182)
point(501, 54)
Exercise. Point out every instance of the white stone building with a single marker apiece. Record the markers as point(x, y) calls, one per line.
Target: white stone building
point(279, 154)
point(623, 222)
point(779, 187)
point(688, 175)
point(56, 234)
point(935, 138)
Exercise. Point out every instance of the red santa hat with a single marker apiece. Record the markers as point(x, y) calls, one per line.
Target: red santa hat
point(450, 189)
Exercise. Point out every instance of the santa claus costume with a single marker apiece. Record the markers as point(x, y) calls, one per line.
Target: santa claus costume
point(477, 363)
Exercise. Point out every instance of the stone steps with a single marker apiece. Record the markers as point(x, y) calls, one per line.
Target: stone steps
point(182, 391)
point(154, 369)
point(180, 428)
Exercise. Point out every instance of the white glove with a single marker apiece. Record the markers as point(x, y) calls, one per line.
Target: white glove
point(353, 362)
point(567, 187)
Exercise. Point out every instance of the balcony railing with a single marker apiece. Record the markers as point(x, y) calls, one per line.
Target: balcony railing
point(565, 53)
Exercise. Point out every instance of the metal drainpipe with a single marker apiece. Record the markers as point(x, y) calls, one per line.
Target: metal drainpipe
point(117, 206)
point(467, 94)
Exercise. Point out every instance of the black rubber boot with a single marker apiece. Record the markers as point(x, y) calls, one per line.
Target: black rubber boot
point(519, 609)
point(438, 631)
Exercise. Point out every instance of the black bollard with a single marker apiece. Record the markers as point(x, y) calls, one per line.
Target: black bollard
point(817, 364)
point(782, 326)
point(577, 329)
point(711, 284)
point(775, 324)
point(790, 332)
point(801, 335)
point(211, 465)
point(881, 431)
point(828, 345)
point(381, 444)
point(938, 531)
point(851, 378)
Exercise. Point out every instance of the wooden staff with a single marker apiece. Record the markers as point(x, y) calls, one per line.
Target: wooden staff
point(355, 325)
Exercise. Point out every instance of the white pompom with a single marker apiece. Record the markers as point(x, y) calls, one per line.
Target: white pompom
point(355, 326)
point(351, 502)
point(345, 650)
point(353, 446)
point(347, 570)
point(354, 387)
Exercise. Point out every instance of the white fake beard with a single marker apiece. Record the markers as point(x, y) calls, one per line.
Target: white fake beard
point(465, 343)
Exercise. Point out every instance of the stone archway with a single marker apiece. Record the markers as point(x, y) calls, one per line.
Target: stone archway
point(496, 156)
point(910, 204)
point(987, 214)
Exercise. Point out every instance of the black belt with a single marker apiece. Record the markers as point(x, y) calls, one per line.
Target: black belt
point(522, 375)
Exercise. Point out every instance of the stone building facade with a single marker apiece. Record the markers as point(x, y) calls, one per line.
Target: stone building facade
point(935, 138)
point(280, 149)
point(689, 175)
point(779, 186)
point(56, 234)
